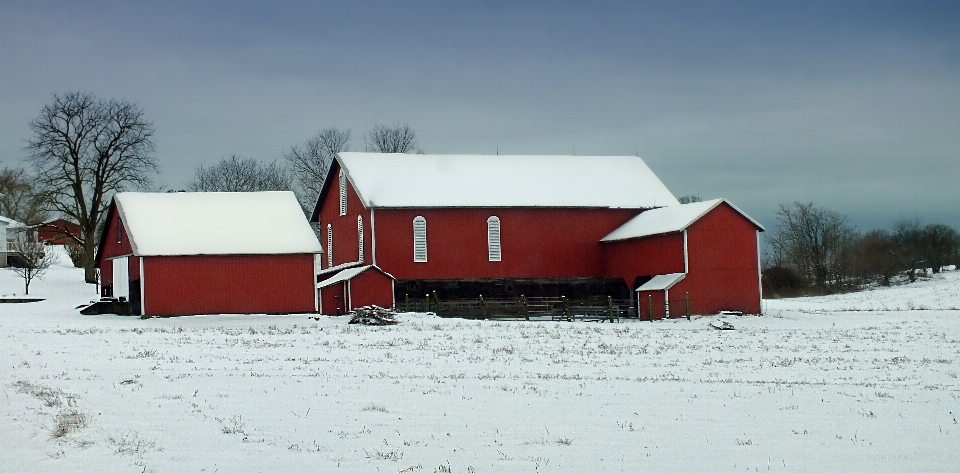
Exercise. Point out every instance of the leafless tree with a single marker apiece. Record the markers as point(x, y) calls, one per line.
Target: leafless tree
point(875, 258)
point(395, 139)
point(34, 258)
point(84, 150)
point(815, 241)
point(236, 174)
point(310, 163)
point(18, 199)
point(907, 235)
point(940, 242)
point(689, 199)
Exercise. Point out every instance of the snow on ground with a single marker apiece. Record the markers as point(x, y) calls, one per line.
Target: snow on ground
point(805, 388)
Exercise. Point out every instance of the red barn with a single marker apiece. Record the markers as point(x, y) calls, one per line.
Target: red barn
point(502, 226)
point(59, 232)
point(209, 253)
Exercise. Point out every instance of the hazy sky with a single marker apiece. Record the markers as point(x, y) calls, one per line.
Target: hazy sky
point(852, 105)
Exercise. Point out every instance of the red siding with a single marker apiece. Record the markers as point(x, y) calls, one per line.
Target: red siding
point(332, 298)
point(228, 284)
point(112, 249)
point(722, 251)
point(55, 232)
point(659, 254)
point(652, 305)
point(345, 239)
point(535, 242)
point(371, 287)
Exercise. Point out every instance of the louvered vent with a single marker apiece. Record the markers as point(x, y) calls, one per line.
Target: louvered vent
point(493, 238)
point(419, 240)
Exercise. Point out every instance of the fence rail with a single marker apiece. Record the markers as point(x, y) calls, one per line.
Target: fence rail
point(539, 308)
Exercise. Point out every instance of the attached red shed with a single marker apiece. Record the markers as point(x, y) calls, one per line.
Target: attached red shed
point(209, 253)
point(355, 287)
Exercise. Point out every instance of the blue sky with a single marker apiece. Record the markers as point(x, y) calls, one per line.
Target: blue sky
point(852, 105)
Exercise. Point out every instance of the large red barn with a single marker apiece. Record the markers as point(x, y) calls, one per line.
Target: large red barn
point(501, 226)
point(209, 253)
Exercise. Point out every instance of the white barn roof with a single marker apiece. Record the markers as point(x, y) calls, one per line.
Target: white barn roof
point(450, 180)
point(668, 220)
point(215, 223)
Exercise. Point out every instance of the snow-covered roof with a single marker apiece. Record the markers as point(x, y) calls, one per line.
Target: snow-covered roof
point(215, 223)
point(348, 274)
point(451, 180)
point(10, 223)
point(661, 282)
point(668, 220)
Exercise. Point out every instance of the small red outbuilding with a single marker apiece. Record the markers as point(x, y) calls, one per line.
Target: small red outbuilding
point(355, 287)
point(209, 253)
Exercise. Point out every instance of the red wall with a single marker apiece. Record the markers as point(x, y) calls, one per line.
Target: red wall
point(328, 299)
point(659, 308)
point(535, 242)
point(722, 251)
point(345, 239)
point(113, 249)
point(659, 254)
point(228, 284)
point(55, 232)
point(371, 287)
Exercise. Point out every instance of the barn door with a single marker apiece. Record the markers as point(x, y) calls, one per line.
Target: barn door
point(121, 278)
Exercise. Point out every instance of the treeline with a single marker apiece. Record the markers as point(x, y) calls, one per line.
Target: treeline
point(815, 251)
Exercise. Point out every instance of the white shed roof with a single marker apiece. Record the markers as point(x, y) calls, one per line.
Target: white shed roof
point(450, 180)
point(215, 223)
point(349, 273)
point(668, 220)
point(661, 282)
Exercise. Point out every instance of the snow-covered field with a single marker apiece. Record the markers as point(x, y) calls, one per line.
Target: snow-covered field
point(859, 382)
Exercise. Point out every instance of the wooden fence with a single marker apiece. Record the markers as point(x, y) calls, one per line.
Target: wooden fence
point(526, 308)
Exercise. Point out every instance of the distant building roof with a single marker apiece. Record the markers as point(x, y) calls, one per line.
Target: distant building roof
point(668, 220)
point(215, 223)
point(451, 180)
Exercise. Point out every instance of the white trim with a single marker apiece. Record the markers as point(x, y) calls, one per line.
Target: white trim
point(666, 303)
point(393, 293)
point(759, 273)
point(316, 290)
point(373, 238)
point(143, 291)
point(119, 256)
point(686, 254)
point(347, 297)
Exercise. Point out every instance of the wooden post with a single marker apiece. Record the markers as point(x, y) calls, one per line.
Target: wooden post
point(406, 302)
point(523, 304)
point(436, 300)
point(688, 305)
point(650, 306)
point(566, 308)
point(610, 308)
point(483, 310)
point(426, 308)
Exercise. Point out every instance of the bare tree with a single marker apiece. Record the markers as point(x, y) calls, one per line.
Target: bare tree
point(907, 235)
point(310, 163)
point(34, 258)
point(395, 139)
point(940, 242)
point(18, 199)
point(235, 174)
point(875, 258)
point(689, 199)
point(84, 150)
point(815, 242)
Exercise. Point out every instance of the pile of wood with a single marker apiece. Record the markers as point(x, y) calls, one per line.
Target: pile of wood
point(373, 315)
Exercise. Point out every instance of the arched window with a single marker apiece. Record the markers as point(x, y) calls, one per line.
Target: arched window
point(419, 240)
point(329, 245)
point(493, 238)
point(360, 236)
point(343, 193)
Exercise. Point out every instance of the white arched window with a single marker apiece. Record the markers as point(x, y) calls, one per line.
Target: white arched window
point(343, 193)
point(329, 245)
point(493, 238)
point(360, 236)
point(419, 240)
